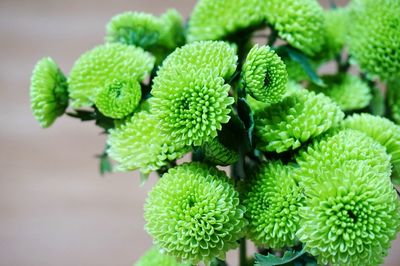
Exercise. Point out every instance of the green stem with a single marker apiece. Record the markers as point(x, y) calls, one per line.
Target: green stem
point(242, 252)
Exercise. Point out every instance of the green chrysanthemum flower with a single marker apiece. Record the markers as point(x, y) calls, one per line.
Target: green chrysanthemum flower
point(300, 116)
point(217, 153)
point(299, 22)
point(105, 63)
point(272, 202)
point(264, 74)
point(190, 97)
point(213, 20)
point(147, 31)
point(351, 218)
point(119, 98)
point(213, 58)
point(193, 113)
point(336, 149)
point(349, 92)
point(393, 100)
point(153, 257)
point(194, 213)
point(374, 37)
point(336, 26)
point(48, 92)
point(380, 129)
point(139, 144)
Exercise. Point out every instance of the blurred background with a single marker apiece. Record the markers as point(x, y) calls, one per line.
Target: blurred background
point(55, 208)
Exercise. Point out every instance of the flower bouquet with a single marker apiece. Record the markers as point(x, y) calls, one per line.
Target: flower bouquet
point(314, 157)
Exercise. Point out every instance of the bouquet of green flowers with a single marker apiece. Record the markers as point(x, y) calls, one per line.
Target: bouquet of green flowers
point(314, 158)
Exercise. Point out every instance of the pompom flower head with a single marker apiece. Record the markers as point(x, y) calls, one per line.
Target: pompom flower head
point(212, 20)
point(139, 144)
point(194, 214)
point(98, 67)
point(349, 92)
point(383, 131)
point(299, 22)
point(336, 149)
point(156, 34)
point(336, 23)
point(272, 202)
point(119, 98)
point(153, 257)
point(374, 37)
point(350, 217)
point(190, 95)
point(48, 92)
point(297, 118)
point(264, 75)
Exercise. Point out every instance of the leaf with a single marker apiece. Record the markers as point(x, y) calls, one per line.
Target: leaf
point(377, 104)
point(302, 59)
point(83, 115)
point(143, 178)
point(105, 164)
point(218, 262)
point(246, 115)
point(272, 260)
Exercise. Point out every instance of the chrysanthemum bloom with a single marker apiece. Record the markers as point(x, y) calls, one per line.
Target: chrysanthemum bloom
point(190, 95)
point(334, 150)
point(336, 26)
point(272, 202)
point(214, 58)
point(348, 91)
point(104, 64)
point(300, 116)
point(48, 92)
point(212, 20)
point(119, 98)
point(374, 38)
point(153, 257)
point(264, 74)
point(194, 214)
point(299, 22)
point(159, 35)
point(351, 217)
point(217, 153)
point(139, 144)
point(393, 100)
point(380, 129)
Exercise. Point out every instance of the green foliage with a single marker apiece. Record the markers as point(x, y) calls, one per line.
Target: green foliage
point(155, 257)
point(272, 260)
point(48, 92)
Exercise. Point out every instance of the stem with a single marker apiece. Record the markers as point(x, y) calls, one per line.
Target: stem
point(242, 252)
point(272, 37)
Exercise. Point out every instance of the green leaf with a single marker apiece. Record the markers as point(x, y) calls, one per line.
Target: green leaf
point(302, 59)
point(218, 262)
point(83, 115)
point(377, 104)
point(105, 164)
point(272, 260)
point(246, 115)
point(143, 178)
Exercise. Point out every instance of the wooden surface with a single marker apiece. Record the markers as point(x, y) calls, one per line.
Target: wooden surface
point(55, 209)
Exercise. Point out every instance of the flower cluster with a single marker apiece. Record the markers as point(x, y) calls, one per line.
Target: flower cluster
point(314, 157)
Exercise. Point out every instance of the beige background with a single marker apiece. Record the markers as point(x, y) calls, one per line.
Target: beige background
point(55, 209)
